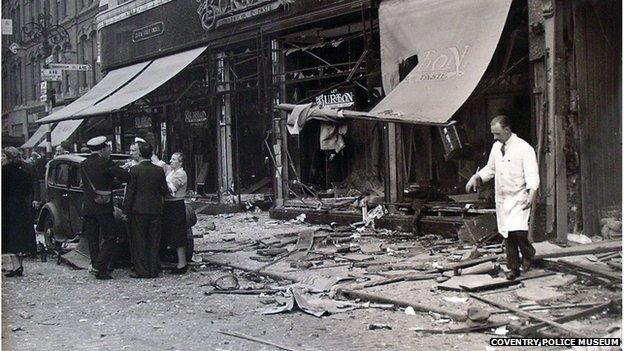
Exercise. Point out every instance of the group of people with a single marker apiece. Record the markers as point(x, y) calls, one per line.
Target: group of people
point(153, 207)
point(155, 191)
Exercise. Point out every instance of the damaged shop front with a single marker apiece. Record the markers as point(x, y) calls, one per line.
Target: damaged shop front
point(424, 92)
point(194, 77)
point(415, 73)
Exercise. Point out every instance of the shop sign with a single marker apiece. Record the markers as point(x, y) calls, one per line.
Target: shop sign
point(153, 30)
point(335, 99)
point(195, 116)
point(440, 64)
point(142, 122)
point(217, 13)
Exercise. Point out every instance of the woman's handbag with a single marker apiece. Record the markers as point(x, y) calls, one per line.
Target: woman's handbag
point(102, 197)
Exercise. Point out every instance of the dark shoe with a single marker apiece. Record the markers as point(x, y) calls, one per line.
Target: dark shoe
point(103, 276)
point(527, 264)
point(180, 270)
point(15, 273)
point(512, 275)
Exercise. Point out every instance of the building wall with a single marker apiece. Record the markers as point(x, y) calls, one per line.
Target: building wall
point(598, 59)
point(21, 71)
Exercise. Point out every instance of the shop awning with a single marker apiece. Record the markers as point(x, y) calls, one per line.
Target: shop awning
point(64, 129)
point(36, 137)
point(111, 82)
point(454, 42)
point(155, 75)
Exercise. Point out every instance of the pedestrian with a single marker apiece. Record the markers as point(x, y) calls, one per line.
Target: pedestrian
point(174, 212)
point(18, 234)
point(513, 164)
point(135, 156)
point(98, 172)
point(143, 204)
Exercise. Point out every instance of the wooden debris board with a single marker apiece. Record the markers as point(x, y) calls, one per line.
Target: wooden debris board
point(547, 250)
point(472, 280)
point(601, 269)
point(526, 331)
point(502, 282)
point(478, 229)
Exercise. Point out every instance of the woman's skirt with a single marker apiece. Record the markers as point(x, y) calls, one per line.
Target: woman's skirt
point(174, 224)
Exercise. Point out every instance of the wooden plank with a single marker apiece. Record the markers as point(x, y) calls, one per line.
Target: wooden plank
point(522, 313)
point(526, 331)
point(258, 340)
point(592, 269)
point(406, 277)
point(472, 329)
point(586, 249)
point(502, 283)
point(357, 294)
point(459, 283)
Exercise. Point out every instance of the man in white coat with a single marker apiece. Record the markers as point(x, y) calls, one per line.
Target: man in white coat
point(513, 164)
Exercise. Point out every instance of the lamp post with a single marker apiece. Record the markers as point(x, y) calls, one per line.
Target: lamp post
point(42, 31)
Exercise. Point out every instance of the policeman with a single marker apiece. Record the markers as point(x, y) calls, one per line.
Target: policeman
point(98, 173)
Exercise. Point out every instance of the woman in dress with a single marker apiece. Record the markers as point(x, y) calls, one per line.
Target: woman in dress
point(18, 234)
point(174, 213)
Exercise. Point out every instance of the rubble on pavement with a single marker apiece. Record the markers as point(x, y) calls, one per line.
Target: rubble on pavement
point(340, 268)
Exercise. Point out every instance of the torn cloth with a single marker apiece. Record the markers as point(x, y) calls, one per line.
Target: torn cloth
point(331, 134)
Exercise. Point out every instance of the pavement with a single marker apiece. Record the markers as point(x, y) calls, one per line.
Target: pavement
point(295, 269)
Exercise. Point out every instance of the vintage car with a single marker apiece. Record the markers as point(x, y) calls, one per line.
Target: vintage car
point(60, 219)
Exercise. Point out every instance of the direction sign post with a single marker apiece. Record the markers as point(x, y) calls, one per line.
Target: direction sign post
point(70, 66)
point(51, 74)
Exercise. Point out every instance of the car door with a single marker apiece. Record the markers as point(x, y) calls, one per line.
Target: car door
point(75, 198)
point(58, 193)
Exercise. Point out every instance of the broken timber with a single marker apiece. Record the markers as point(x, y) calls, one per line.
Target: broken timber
point(581, 314)
point(406, 277)
point(522, 313)
point(355, 294)
point(464, 329)
point(575, 266)
point(585, 249)
point(504, 283)
point(258, 340)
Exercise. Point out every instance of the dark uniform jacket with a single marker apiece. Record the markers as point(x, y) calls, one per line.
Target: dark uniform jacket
point(146, 189)
point(102, 173)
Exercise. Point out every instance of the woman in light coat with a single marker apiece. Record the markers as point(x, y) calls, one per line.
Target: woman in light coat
point(174, 225)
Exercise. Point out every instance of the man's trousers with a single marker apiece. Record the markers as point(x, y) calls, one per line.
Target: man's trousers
point(145, 232)
point(100, 228)
point(518, 240)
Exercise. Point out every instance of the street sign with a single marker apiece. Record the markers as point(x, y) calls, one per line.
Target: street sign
point(14, 47)
point(49, 59)
point(7, 26)
point(43, 86)
point(43, 97)
point(51, 74)
point(70, 66)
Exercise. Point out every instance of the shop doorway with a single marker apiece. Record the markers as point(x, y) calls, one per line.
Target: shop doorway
point(243, 126)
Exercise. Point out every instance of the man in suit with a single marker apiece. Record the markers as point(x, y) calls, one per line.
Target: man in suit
point(98, 172)
point(143, 205)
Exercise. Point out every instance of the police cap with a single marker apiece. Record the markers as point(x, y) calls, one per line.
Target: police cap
point(97, 143)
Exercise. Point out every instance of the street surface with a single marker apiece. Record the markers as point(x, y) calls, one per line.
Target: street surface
point(56, 307)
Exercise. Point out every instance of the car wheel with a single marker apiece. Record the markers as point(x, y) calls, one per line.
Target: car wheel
point(48, 234)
